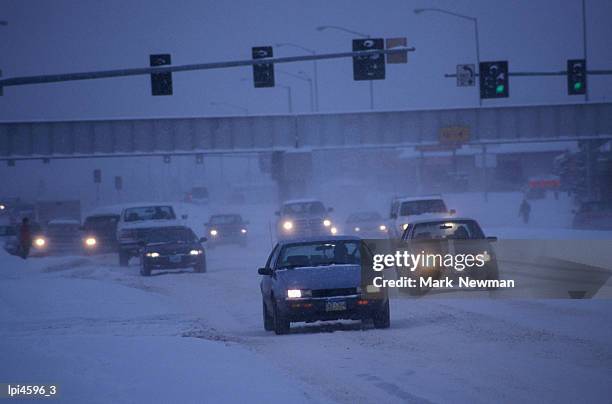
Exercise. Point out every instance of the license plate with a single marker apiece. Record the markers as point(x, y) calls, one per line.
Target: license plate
point(335, 306)
point(175, 259)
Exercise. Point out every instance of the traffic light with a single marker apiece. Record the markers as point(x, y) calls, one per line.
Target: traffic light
point(161, 83)
point(576, 77)
point(494, 80)
point(263, 74)
point(370, 67)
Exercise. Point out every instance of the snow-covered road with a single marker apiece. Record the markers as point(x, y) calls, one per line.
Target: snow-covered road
point(106, 334)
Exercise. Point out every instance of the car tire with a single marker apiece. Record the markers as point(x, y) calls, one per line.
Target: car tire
point(382, 319)
point(281, 325)
point(124, 258)
point(201, 266)
point(145, 270)
point(492, 274)
point(268, 321)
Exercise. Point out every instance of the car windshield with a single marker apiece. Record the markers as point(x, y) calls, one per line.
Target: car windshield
point(319, 253)
point(97, 222)
point(458, 230)
point(364, 217)
point(62, 228)
point(171, 235)
point(225, 219)
point(423, 206)
point(303, 208)
point(149, 213)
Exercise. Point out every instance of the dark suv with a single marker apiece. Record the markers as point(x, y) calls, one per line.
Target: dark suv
point(100, 233)
point(226, 229)
point(304, 218)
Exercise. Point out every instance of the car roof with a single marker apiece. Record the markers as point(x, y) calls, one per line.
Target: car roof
point(304, 200)
point(170, 226)
point(148, 224)
point(418, 198)
point(435, 219)
point(64, 221)
point(318, 239)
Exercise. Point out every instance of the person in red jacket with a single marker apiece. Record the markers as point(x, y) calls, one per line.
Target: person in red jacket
point(25, 238)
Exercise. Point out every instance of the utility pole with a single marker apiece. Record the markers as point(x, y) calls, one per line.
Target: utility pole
point(315, 69)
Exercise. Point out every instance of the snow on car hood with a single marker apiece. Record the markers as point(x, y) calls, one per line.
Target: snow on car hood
point(320, 277)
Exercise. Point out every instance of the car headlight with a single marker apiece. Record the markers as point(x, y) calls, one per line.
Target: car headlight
point(372, 289)
point(91, 242)
point(334, 230)
point(326, 222)
point(153, 254)
point(2, 207)
point(404, 226)
point(382, 227)
point(195, 252)
point(40, 242)
point(294, 293)
point(288, 225)
point(486, 257)
point(243, 231)
point(298, 293)
point(357, 229)
point(213, 232)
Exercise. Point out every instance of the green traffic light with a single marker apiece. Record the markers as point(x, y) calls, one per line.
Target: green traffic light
point(499, 89)
point(577, 86)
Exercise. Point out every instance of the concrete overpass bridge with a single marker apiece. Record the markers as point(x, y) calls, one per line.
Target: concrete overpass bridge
point(298, 150)
point(311, 132)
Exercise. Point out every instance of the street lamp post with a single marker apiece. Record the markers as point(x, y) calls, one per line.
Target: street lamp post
point(302, 76)
point(289, 97)
point(359, 34)
point(221, 103)
point(315, 70)
point(465, 17)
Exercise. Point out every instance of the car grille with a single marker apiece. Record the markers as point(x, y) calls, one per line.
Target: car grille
point(309, 226)
point(334, 292)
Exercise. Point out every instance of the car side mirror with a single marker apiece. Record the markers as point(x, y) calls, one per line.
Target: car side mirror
point(330, 209)
point(452, 212)
point(184, 217)
point(203, 239)
point(277, 213)
point(265, 271)
point(492, 238)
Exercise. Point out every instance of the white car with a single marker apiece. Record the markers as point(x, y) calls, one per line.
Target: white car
point(134, 223)
point(404, 210)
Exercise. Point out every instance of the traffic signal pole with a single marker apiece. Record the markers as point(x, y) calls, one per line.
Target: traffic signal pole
point(536, 74)
point(584, 42)
point(139, 71)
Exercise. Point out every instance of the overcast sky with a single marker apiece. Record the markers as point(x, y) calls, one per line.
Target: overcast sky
point(58, 36)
